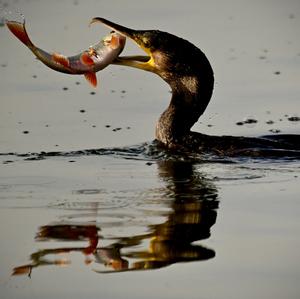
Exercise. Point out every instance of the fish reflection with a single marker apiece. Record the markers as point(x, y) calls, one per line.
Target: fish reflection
point(61, 232)
point(192, 201)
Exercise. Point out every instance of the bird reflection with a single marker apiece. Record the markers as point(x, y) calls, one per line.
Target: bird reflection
point(192, 200)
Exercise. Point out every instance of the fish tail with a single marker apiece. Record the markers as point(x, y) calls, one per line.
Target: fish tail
point(18, 30)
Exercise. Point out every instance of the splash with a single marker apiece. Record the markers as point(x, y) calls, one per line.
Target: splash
point(149, 152)
point(152, 152)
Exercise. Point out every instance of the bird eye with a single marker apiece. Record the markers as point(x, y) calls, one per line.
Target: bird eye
point(146, 42)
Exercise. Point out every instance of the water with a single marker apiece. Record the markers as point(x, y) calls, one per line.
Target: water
point(125, 219)
point(211, 228)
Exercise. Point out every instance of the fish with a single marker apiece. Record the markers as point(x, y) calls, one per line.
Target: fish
point(86, 63)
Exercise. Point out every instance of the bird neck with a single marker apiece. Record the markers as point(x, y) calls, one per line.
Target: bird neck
point(190, 97)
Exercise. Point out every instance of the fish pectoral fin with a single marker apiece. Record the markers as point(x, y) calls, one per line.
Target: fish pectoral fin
point(86, 59)
point(61, 59)
point(91, 78)
point(114, 42)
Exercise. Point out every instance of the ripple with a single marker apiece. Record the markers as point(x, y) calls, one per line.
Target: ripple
point(93, 206)
point(89, 191)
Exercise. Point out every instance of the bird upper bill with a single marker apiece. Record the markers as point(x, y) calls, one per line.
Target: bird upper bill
point(141, 62)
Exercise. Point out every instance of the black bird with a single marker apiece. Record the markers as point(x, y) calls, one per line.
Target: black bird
point(189, 74)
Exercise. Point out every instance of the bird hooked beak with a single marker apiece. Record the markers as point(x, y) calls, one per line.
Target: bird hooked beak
point(141, 38)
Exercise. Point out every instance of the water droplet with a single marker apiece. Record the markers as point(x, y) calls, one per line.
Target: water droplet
point(270, 122)
point(250, 121)
point(274, 131)
point(294, 118)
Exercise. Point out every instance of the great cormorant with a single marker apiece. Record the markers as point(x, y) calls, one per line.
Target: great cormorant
point(189, 74)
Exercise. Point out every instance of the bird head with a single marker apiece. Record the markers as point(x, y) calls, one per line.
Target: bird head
point(166, 54)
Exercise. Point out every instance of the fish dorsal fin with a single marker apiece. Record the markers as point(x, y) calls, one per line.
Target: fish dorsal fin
point(114, 42)
point(91, 78)
point(61, 59)
point(86, 59)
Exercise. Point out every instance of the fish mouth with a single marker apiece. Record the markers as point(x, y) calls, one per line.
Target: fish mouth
point(139, 37)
